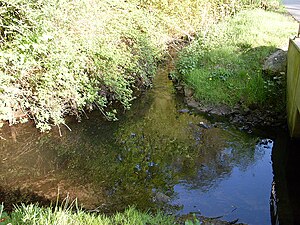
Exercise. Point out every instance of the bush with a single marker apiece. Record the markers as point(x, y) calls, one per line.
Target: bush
point(62, 58)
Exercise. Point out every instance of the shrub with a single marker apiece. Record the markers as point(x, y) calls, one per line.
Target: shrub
point(62, 58)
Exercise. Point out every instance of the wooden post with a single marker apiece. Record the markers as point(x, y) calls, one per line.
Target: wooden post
point(293, 87)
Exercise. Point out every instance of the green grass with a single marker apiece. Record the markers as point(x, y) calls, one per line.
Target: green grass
point(34, 215)
point(224, 66)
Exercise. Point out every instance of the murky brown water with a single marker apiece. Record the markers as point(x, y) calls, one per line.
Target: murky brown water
point(156, 156)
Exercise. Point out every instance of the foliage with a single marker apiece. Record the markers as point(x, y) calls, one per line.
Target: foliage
point(189, 16)
point(194, 221)
point(62, 58)
point(224, 65)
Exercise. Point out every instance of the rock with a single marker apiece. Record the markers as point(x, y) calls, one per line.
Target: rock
point(198, 219)
point(220, 222)
point(184, 110)
point(276, 63)
point(192, 103)
point(179, 88)
point(188, 92)
point(203, 125)
point(161, 197)
point(221, 110)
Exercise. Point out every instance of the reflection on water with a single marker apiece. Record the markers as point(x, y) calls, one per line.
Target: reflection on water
point(242, 194)
point(285, 198)
point(153, 157)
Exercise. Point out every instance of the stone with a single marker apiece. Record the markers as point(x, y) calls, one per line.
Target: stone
point(188, 92)
point(161, 197)
point(192, 103)
point(203, 125)
point(183, 110)
point(276, 63)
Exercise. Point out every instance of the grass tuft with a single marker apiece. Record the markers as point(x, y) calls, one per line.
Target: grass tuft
point(35, 215)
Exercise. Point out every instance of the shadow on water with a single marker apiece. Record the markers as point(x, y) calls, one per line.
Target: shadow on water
point(158, 155)
point(285, 196)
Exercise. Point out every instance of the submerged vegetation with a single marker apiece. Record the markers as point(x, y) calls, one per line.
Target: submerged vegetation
point(69, 57)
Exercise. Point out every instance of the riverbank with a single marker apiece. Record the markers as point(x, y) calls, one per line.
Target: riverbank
point(221, 72)
point(64, 58)
point(71, 214)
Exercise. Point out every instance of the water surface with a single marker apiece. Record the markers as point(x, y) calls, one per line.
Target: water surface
point(158, 155)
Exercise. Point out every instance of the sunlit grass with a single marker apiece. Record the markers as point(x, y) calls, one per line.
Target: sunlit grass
point(225, 66)
point(35, 215)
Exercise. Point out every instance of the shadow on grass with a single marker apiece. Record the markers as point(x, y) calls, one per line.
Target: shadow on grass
point(253, 58)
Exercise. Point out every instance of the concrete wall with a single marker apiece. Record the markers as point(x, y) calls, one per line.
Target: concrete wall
point(293, 88)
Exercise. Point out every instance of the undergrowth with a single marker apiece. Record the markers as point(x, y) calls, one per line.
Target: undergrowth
point(65, 57)
point(224, 66)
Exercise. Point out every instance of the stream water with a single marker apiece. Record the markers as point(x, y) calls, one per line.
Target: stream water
point(158, 155)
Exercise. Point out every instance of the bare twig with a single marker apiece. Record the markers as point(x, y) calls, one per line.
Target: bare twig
point(67, 127)
point(2, 138)
point(59, 130)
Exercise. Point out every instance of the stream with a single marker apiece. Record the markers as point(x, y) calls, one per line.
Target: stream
point(159, 155)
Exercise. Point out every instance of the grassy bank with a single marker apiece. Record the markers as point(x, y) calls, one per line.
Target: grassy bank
point(69, 57)
point(34, 215)
point(224, 65)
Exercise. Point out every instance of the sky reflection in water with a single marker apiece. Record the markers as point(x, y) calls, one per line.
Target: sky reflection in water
point(244, 194)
